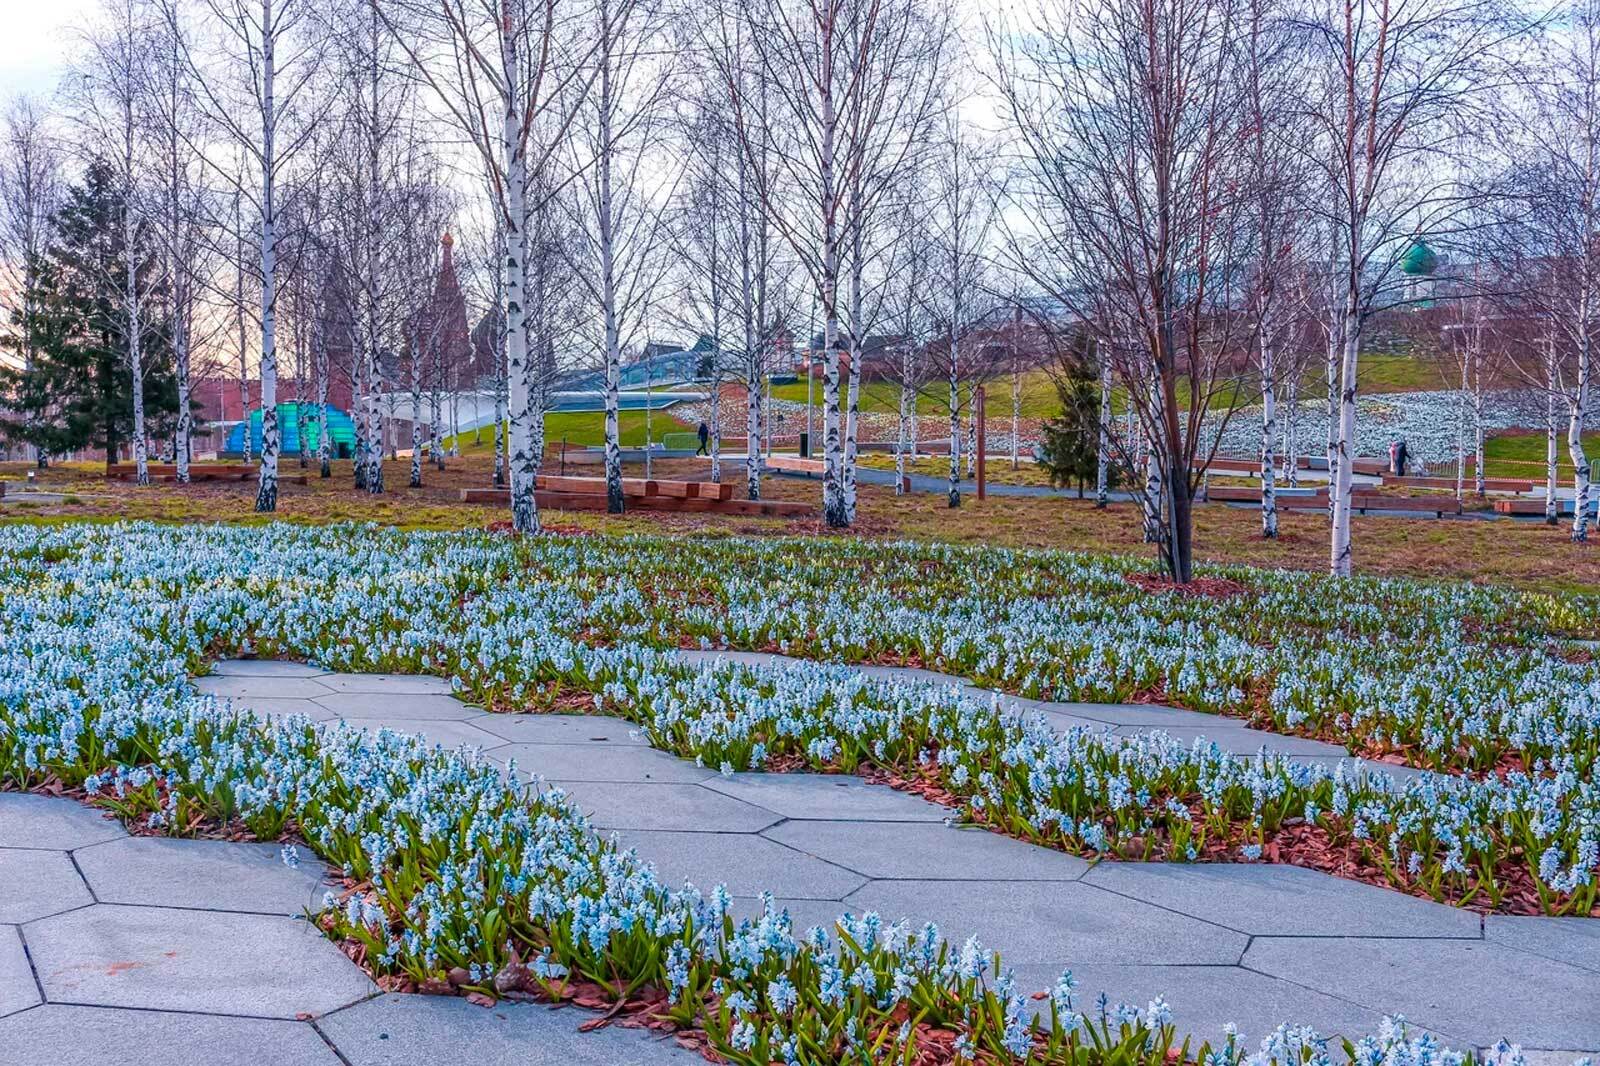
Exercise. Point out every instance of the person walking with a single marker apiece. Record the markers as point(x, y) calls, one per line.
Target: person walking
point(705, 439)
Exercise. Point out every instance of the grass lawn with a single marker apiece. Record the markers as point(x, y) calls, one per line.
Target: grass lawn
point(584, 428)
point(1378, 373)
point(1527, 554)
point(1523, 455)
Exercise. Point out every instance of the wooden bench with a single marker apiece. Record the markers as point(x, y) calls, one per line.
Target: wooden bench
point(631, 486)
point(1245, 494)
point(640, 487)
point(1491, 484)
point(596, 501)
point(1229, 466)
point(1439, 506)
point(794, 464)
point(1535, 507)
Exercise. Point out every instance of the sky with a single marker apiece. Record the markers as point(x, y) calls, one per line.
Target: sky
point(34, 37)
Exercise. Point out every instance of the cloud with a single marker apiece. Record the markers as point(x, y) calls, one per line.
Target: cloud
point(33, 46)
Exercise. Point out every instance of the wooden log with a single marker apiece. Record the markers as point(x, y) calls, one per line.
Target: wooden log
point(631, 486)
point(1438, 505)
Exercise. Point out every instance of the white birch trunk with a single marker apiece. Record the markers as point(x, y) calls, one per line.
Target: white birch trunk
point(1269, 437)
point(1552, 508)
point(954, 490)
point(435, 408)
point(267, 488)
point(1016, 417)
point(1344, 445)
point(319, 355)
point(416, 415)
point(1578, 406)
point(857, 339)
point(833, 503)
point(1291, 450)
point(608, 281)
point(524, 503)
point(130, 296)
point(902, 430)
point(1102, 461)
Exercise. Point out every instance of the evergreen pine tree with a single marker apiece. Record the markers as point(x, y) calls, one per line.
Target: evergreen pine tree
point(1070, 448)
point(78, 393)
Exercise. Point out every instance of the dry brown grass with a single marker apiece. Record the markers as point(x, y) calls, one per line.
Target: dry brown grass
point(1527, 554)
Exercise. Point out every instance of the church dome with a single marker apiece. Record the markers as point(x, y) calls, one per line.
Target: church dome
point(1419, 260)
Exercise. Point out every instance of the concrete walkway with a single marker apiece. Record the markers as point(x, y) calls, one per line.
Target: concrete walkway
point(135, 950)
point(144, 951)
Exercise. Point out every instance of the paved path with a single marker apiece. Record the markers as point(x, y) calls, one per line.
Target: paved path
point(134, 950)
point(142, 951)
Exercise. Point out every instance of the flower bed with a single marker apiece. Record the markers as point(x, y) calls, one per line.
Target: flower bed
point(470, 883)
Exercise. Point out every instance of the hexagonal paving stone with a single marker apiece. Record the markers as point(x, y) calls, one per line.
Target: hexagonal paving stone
point(52, 823)
point(449, 733)
point(263, 668)
point(748, 865)
point(1055, 922)
point(1148, 715)
point(1476, 991)
point(37, 884)
point(1570, 940)
point(257, 686)
point(203, 874)
point(396, 708)
point(1238, 739)
point(399, 1030)
point(630, 805)
point(1276, 900)
point(920, 850)
point(600, 762)
point(18, 990)
point(106, 1036)
point(390, 684)
point(1204, 999)
point(204, 961)
point(833, 796)
point(561, 729)
point(282, 708)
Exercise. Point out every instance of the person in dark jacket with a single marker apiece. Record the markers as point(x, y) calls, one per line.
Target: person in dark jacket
point(705, 438)
point(1400, 458)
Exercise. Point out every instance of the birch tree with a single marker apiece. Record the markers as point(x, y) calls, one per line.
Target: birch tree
point(757, 172)
point(257, 91)
point(1129, 117)
point(176, 129)
point(110, 88)
point(1397, 82)
point(503, 71)
point(1276, 217)
point(30, 192)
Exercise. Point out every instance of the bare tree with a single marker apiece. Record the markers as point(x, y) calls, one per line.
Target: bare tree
point(1550, 251)
point(30, 192)
point(1129, 120)
point(503, 70)
point(176, 128)
point(618, 151)
point(109, 90)
point(261, 101)
point(1397, 82)
point(964, 208)
point(1277, 218)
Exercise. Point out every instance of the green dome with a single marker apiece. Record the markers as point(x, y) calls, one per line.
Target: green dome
point(1419, 260)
